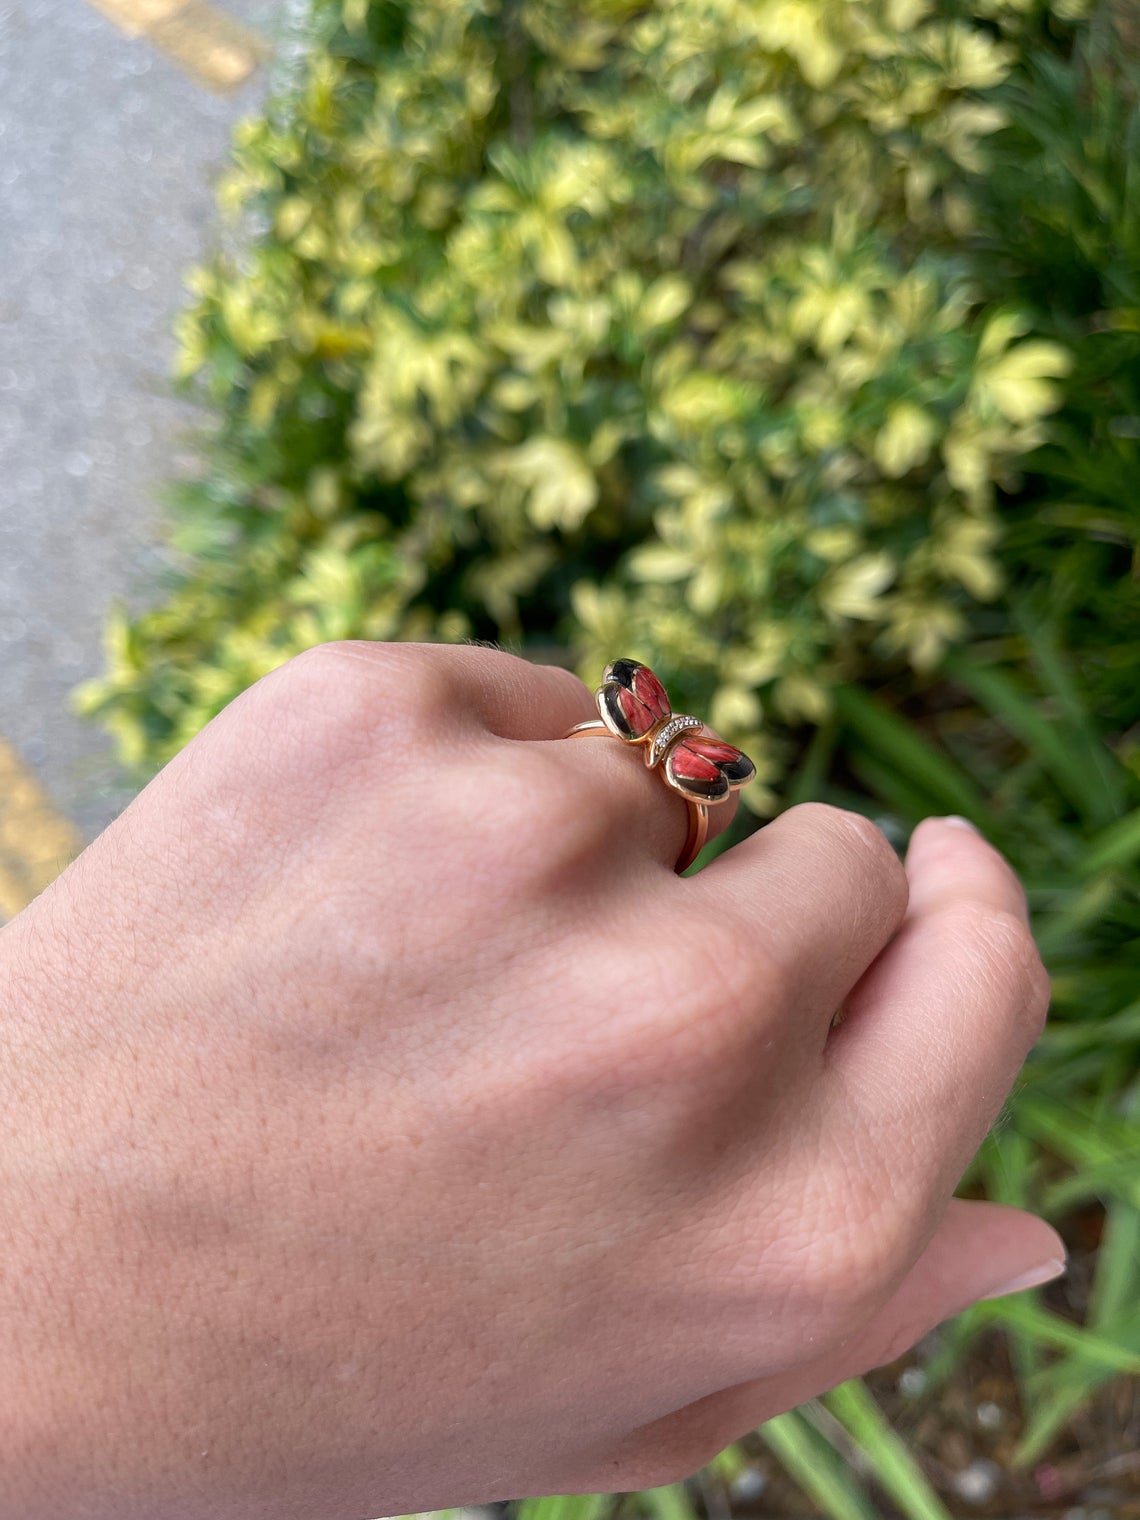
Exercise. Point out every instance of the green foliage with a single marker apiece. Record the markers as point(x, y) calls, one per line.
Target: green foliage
point(1071, 1132)
point(1059, 234)
point(607, 326)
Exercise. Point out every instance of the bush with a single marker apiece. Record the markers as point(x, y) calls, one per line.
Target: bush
point(602, 327)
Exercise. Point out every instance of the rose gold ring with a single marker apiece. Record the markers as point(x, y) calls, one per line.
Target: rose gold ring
point(705, 770)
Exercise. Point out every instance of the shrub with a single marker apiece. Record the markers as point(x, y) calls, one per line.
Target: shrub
point(607, 327)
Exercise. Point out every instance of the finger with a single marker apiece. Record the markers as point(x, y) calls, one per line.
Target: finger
point(647, 816)
point(473, 690)
point(508, 695)
point(948, 861)
point(980, 1250)
point(516, 700)
point(520, 701)
point(935, 1034)
point(814, 897)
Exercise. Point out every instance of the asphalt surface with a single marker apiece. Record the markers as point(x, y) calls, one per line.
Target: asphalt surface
point(107, 155)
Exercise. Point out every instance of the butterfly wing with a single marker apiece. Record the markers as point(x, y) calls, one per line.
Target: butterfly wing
point(631, 700)
point(706, 768)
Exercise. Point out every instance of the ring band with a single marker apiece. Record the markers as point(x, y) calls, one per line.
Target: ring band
point(698, 811)
point(634, 708)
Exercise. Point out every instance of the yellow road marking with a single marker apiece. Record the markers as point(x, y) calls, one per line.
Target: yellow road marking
point(36, 842)
point(213, 48)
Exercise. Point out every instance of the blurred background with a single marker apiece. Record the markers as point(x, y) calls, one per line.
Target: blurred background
point(792, 346)
point(113, 124)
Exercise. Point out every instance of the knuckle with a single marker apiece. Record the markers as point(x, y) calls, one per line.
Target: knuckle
point(576, 688)
point(857, 835)
point(813, 815)
point(868, 1244)
point(349, 696)
point(1004, 955)
point(311, 672)
point(400, 673)
point(312, 685)
point(823, 817)
point(874, 846)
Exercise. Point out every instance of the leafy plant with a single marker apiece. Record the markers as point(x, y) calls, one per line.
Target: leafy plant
point(1071, 1135)
point(605, 325)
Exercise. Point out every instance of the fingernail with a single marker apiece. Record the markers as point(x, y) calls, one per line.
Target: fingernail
point(954, 821)
point(1043, 1272)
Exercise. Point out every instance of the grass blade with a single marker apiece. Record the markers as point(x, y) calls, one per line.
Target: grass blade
point(903, 749)
point(807, 783)
point(892, 1464)
point(817, 1467)
point(565, 1507)
point(1052, 1330)
point(1106, 791)
point(1118, 845)
point(669, 1503)
point(1066, 1385)
point(995, 690)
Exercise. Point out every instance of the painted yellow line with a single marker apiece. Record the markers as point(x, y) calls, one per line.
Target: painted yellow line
point(213, 48)
point(36, 842)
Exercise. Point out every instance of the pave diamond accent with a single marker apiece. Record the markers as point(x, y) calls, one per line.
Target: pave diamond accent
point(665, 736)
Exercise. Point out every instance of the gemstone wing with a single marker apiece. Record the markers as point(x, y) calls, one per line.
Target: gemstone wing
point(631, 700)
point(707, 769)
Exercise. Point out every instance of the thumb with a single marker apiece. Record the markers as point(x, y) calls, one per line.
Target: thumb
point(979, 1250)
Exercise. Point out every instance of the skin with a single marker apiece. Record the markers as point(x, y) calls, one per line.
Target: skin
point(385, 1126)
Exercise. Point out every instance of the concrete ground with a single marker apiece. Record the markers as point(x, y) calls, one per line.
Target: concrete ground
point(107, 154)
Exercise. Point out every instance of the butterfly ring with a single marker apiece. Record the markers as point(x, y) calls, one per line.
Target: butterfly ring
point(634, 708)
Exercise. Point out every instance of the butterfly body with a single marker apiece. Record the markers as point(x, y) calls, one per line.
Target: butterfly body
point(635, 708)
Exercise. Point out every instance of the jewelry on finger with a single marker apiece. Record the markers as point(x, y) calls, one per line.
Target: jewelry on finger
point(634, 708)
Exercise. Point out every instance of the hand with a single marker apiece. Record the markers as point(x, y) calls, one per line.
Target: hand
point(384, 1125)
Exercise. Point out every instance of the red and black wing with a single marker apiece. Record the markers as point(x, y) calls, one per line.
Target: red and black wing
point(706, 768)
point(631, 700)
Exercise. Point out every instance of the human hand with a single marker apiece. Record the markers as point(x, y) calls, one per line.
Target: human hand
point(385, 1126)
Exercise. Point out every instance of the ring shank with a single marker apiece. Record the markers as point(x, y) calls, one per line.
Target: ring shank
point(698, 811)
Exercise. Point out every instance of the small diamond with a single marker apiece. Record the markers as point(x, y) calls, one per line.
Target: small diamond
point(666, 735)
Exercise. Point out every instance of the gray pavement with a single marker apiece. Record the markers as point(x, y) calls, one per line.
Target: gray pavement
point(107, 155)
